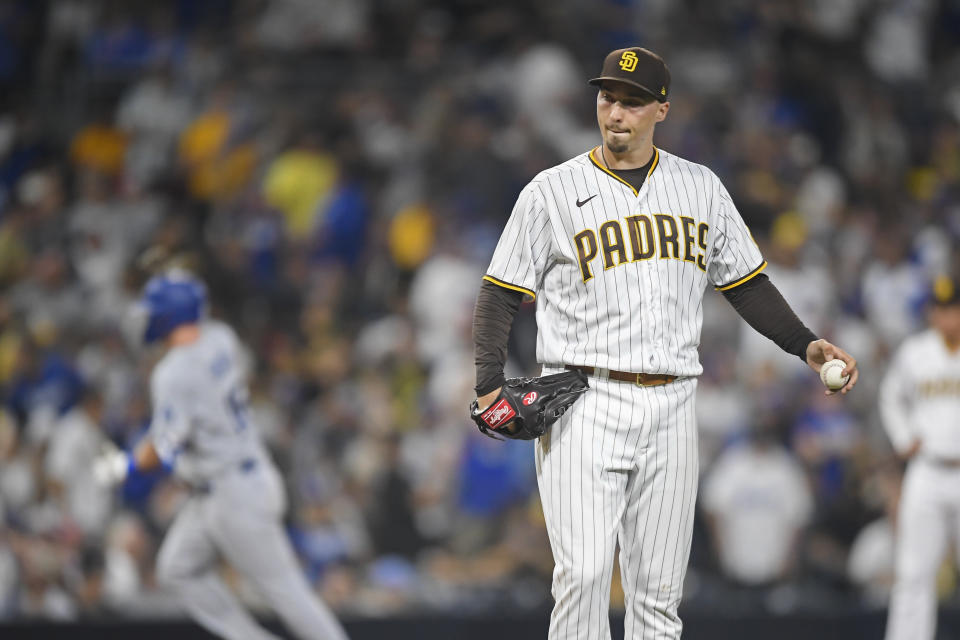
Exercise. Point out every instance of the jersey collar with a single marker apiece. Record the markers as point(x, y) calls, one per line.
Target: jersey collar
point(599, 165)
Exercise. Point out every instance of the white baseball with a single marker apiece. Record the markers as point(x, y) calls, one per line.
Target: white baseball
point(830, 374)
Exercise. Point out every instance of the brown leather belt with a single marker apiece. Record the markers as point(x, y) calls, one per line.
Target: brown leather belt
point(642, 379)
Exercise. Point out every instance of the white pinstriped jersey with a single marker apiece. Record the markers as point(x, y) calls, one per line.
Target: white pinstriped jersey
point(920, 396)
point(201, 421)
point(618, 274)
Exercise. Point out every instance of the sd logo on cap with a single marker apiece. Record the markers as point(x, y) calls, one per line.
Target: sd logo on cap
point(628, 61)
point(638, 67)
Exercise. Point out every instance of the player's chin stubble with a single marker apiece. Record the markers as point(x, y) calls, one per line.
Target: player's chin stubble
point(617, 147)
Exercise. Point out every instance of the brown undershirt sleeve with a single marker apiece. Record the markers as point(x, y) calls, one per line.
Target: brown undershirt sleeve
point(492, 319)
point(760, 303)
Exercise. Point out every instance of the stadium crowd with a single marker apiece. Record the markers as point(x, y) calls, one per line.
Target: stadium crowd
point(338, 172)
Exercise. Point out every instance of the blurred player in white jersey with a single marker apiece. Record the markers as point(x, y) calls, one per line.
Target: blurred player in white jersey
point(920, 408)
point(201, 428)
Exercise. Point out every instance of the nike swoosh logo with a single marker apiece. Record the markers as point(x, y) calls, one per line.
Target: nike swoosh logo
point(580, 203)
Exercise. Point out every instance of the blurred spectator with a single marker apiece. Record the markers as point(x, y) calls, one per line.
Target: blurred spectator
point(297, 182)
point(18, 485)
point(99, 146)
point(153, 112)
point(42, 595)
point(49, 299)
point(893, 287)
point(46, 387)
point(304, 24)
point(411, 236)
point(73, 446)
point(723, 413)
point(895, 46)
point(441, 329)
point(340, 227)
point(41, 194)
point(14, 252)
point(125, 40)
point(215, 149)
point(870, 565)
point(87, 581)
point(129, 583)
point(546, 80)
point(757, 502)
point(105, 233)
point(9, 343)
point(24, 147)
point(9, 582)
point(390, 513)
point(825, 438)
point(492, 479)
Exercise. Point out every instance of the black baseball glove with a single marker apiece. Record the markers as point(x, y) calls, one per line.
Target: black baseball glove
point(531, 404)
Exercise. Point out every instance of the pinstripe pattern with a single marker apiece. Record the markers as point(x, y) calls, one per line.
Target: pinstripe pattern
point(619, 284)
point(633, 453)
point(642, 315)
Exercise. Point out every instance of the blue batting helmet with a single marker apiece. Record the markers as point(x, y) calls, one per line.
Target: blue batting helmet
point(170, 300)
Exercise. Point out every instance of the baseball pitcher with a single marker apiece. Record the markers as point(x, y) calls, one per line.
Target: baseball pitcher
point(617, 246)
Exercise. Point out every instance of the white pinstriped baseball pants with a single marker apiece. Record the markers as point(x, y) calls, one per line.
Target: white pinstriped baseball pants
point(621, 465)
point(927, 526)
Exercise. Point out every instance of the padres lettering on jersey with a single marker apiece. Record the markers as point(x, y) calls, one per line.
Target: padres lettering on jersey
point(643, 241)
point(620, 273)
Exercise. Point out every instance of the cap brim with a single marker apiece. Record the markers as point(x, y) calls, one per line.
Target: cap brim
point(597, 81)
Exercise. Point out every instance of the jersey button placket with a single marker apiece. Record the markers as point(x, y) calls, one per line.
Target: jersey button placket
point(650, 301)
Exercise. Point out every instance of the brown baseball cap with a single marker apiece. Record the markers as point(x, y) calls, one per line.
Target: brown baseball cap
point(638, 67)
